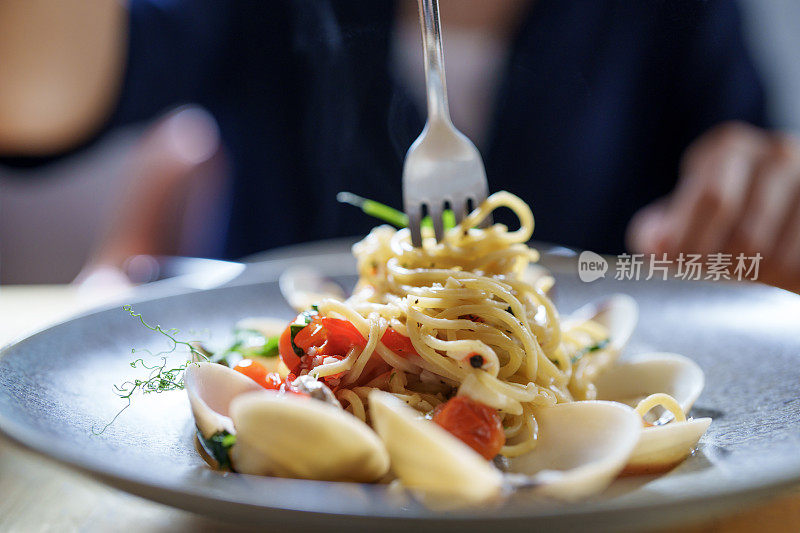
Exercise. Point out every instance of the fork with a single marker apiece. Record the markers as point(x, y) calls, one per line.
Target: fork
point(442, 166)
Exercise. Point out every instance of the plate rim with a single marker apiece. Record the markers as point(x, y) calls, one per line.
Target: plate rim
point(34, 440)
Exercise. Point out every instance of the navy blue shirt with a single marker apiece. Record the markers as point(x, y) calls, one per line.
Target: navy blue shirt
point(597, 102)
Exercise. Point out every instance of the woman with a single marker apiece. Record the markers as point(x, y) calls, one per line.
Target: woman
point(585, 109)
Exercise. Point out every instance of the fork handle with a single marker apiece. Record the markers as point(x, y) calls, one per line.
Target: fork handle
point(434, 61)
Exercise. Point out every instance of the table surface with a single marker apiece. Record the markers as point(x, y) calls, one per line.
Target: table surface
point(37, 494)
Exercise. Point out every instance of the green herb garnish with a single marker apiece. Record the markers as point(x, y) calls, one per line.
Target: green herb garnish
point(161, 376)
point(302, 320)
point(247, 343)
point(218, 446)
point(391, 215)
point(592, 348)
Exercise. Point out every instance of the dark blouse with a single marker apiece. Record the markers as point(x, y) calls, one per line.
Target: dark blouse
point(598, 100)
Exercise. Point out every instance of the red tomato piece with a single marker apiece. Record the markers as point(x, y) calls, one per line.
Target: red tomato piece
point(330, 336)
point(477, 425)
point(311, 335)
point(286, 351)
point(342, 335)
point(256, 371)
point(399, 344)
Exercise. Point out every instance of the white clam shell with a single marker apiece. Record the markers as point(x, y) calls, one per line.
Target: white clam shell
point(210, 388)
point(303, 286)
point(660, 446)
point(293, 436)
point(581, 448)
point(427, 458)
point(618, 313)
point(637, 377)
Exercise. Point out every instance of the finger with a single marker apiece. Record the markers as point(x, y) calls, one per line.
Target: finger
point(712, 191)
point(161, 172)
point(787, 250)
point(769, 202)
point(644, 230)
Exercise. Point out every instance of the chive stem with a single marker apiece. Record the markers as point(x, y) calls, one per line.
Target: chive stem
point(389, 214)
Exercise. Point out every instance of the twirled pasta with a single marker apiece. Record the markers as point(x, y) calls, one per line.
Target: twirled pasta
point(467, 296)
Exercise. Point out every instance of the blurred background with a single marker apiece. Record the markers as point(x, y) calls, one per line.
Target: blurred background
point(55, 217)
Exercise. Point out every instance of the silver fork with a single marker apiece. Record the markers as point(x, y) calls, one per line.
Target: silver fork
point(443, 165)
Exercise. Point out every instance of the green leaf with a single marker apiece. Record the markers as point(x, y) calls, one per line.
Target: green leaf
point(302, 320)
point(218, 446)
point(592, 348)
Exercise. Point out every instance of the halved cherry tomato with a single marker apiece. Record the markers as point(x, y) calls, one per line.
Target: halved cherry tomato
point(399, 344)
point(330, 336)
point(286, 351)
point(477, 425)
point(335, 337)
point(256, 371)
point(343, 333)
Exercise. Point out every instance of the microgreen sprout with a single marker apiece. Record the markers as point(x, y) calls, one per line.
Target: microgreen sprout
point(162, 376)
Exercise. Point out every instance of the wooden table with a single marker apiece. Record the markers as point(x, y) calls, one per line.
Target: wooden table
point(37, 494)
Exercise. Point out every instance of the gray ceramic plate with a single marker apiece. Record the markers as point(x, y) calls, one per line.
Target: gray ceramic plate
point(55, 386)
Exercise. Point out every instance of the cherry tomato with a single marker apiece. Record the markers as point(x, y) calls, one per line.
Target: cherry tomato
point(335, 337)
point(344, 331)
point(311, 335)
point(474, 423)
point(256, 371)
point(286, 351)
point(374, 368)
point(399, 344)
point(330, 336)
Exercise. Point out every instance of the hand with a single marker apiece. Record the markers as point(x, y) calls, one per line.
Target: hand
point(739, 192)
point(174, 167)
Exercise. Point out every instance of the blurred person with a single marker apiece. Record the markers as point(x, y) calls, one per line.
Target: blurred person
point(173, 174)
point(618, 118)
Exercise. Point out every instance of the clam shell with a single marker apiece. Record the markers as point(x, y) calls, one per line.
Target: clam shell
point(210, 388)
point(640, 376)
point(618, 313)
point(295, 436)
point(581, 448)
point(427, 458)
point(661, 446)
point(304, 286)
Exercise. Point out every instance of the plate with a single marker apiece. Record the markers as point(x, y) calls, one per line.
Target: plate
point(56, 387)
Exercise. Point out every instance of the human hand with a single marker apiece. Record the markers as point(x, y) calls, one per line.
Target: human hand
point(739, 192)
point(175, 167)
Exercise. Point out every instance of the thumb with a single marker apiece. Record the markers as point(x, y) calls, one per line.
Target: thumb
point(646, 230)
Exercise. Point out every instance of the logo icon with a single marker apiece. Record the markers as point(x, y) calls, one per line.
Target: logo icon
point(591, 266)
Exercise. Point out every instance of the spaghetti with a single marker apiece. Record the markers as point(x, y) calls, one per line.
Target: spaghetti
point(479, 325)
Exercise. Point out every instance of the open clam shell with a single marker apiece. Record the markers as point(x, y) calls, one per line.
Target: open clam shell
point(637, 377)
point(668, 441)
point(304, 286)
point(581, 448)
point(662, 447)
point(211, 388)
point(427, 458)
point(618, 313)
point(295, 436)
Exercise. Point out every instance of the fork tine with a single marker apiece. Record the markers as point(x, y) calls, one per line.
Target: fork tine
point(459, 207)
point(478, 200)
point(435, 210)
point(414, 213)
